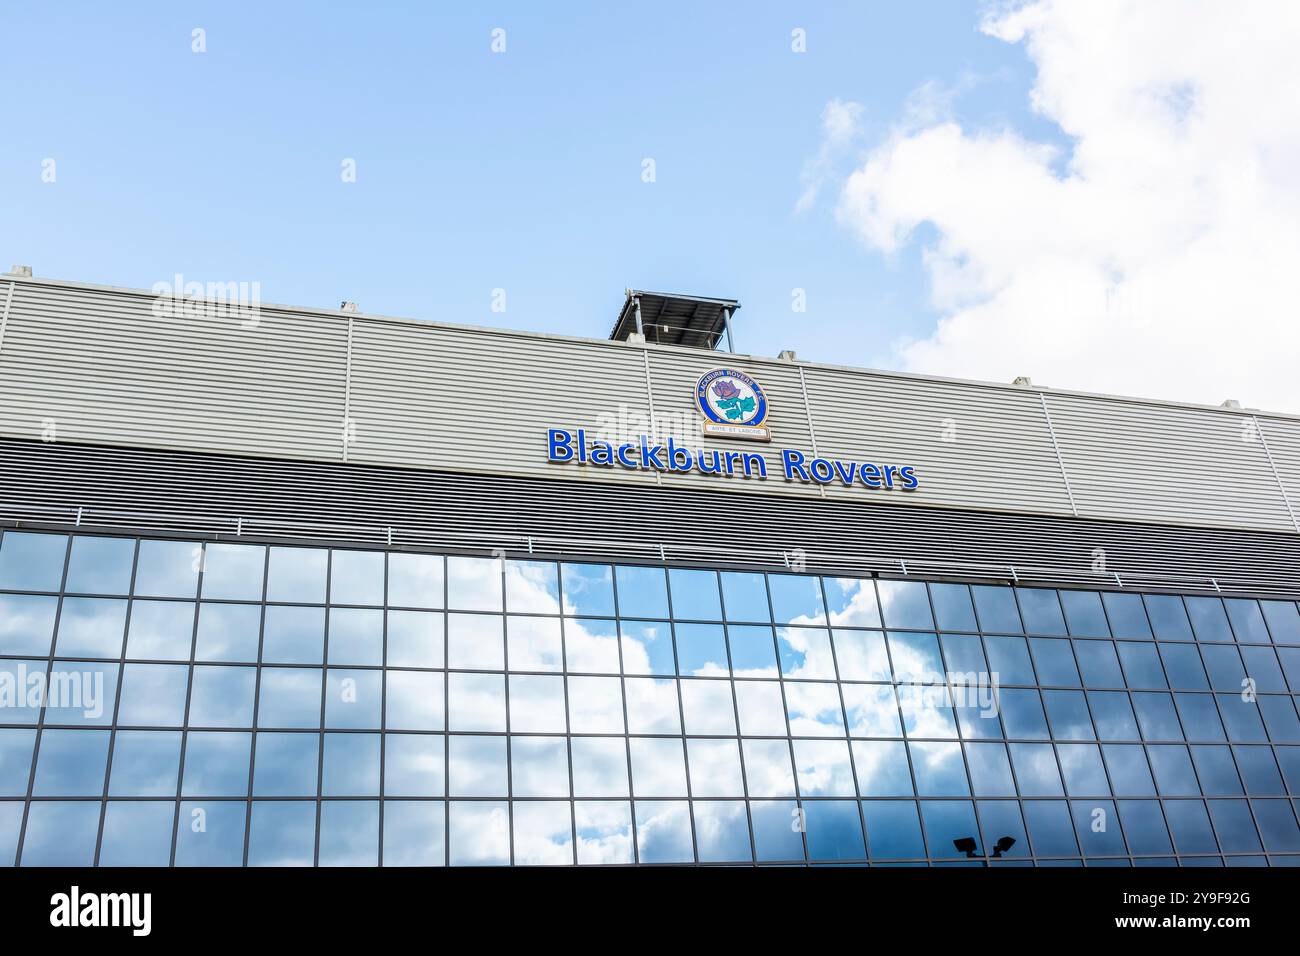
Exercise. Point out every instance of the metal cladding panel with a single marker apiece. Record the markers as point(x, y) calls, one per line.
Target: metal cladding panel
point(438, 397)
point(59, 485)
point(971, 445)
point(1282, 440)
point(675, 375)
point(111, 368)
point(1149, 462)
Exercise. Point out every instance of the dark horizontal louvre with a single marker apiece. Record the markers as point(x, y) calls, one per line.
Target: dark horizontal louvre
point(273, 499)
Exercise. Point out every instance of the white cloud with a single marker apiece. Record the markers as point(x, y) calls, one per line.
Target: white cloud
point(1161, 255)
point(841, 122)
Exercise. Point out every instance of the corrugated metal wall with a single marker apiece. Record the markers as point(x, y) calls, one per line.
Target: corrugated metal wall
point(262, 499)
point(101, 367)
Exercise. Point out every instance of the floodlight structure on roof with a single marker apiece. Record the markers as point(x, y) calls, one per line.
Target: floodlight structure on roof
point(667, 319)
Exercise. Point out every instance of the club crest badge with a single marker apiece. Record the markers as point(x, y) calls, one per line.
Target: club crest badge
point(733, 405)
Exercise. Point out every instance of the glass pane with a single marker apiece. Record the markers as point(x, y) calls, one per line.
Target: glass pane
point(768, 770)
point(916, 658)
point(285, 765)
point(1127, 617)
point(707, 707)
point(1247, 621)
point(882, 768)
point(1009, 660)
point(834, 830)
point(591, 646)
point(953, 609)
point(823, 768)
point(658, 767)
point(996, 607)
point(97, 565)
point(153, 695)
point(297, 574)
point(1084, 615)
point(357, 577)
point(861, 655)
point(349, 833)
point(722, 831)
point(714, 768)
point(1055, 662)
point(1036, 771)
point(604, 832)
point(1050, 829)
point(595, 705)
point(476, 642)
point(532, 587)
point(534, 644)
point(415, 580)
point(476, 702)
point(1041, 610)
point(695, 595)
point(71, 763)
point(702, 650)
point(146, 763)
point(599, 766)
point(1098, 664)
point(27, 623)
point(294, 635)
point(91, 627)
point(950, 828)
point(1183, 666)
point(775, 838)
point(814, 710)
point(353, 698)
point(210, 834)
point(414, 833)
point(351, 765)
point(805, 653)
point(990, 770)
point(282, 833)
point(137, 833)
point(415, 639)
point(233, 571)
point(663, 832)
point(753, 650)
point(1168, 617)
point(216, 764)
point(1283, 619)
point(228, 632)
point(290, 697)
point(356, 635)
point(1004, 828)
point(642, 592)
point(539, 767)
point(796, 599)
point(1189, 825)
point(161, 630)
point(852, 602)
point(588, 589)
point(939, 769)
point(476, 766)
point(537, 704)
point(1141, 664)
point(414, 765)
point(1208, 619)
point(893, 830)
point(744, 596)
point(15, 761)
point(168, 569)
point(762, 710)
point(1144, 826)
point(1067, 713)
point(32, 562)
point(61, 833)
point(543, 834)
point(905, 604)
point(1082, 769)
point(474, 584)
point(1096, 823)
point(872, 710)
point(647, 647)
point(479, 834)
point(222, 696)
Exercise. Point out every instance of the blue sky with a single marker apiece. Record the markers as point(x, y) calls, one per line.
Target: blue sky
point(477, 170)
